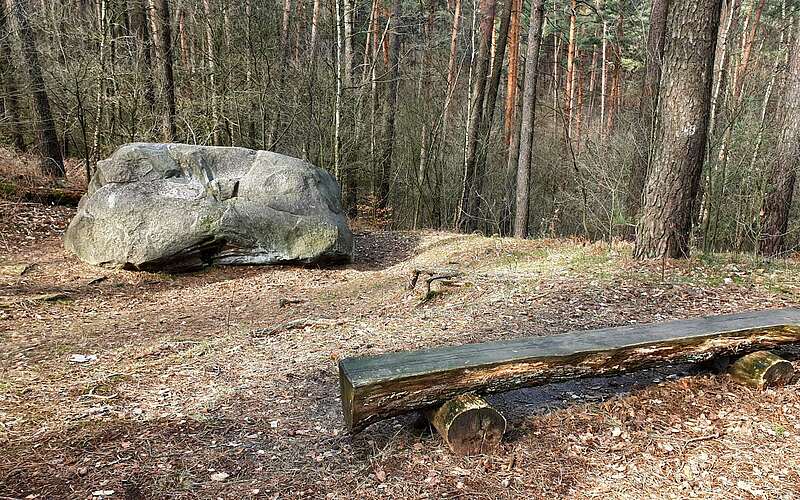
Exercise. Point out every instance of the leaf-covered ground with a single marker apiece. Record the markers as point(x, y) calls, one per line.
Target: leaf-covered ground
point(223, 383)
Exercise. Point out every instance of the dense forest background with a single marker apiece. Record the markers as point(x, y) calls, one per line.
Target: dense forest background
point(418, 107)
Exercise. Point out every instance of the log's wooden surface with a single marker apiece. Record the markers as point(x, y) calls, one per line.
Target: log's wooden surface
point(468, 424)
point(377, 387)
point(762, 369)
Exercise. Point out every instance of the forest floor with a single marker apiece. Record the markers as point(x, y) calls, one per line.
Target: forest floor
point(223, 383)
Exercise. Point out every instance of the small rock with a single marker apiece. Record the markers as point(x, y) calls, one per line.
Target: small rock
point(82, 358)
point(219, 476)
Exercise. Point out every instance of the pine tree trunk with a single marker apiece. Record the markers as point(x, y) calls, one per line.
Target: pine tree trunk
point(465, 219)
point(489, 107)
point(9, 83)
point(275, 123)
point(513, 70)
point(161, 27)
point(780, 184)
point(647, 106)
point(49, 146)
point(138, 18)
point(528, 118)
point(603, 77)
point(592, 87)
point(452, 76)
point(390, 105)
point(685, 95)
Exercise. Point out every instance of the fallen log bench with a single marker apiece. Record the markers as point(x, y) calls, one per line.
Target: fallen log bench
point(377, 387)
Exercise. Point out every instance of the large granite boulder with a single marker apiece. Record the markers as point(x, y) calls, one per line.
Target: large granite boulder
point(173, 207)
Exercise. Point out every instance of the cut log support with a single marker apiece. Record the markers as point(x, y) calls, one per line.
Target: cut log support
point(761, 370)
point(378, 387)
point(468, 424)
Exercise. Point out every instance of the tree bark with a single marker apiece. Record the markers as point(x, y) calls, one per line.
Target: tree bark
point(466, 220)
point(647, 106)
point(49, 146)
point(685, 95)
point(9, 83)
point(452, 76)
point(489, 104)
point(212, 70)
point(513, 70)
point(528, 118)
point(781, 179)
point(101, 86)
point(138, 25)
point(161, 27)
point(390, 105)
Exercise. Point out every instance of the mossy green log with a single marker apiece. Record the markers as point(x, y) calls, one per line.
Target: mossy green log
point(377, 387)
point(762, 369)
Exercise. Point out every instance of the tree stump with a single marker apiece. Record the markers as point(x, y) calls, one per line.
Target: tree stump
point(468, 424)
point(762, 369)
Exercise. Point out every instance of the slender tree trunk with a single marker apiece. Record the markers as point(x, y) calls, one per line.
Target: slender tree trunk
point(683, 109)
point(161, 26)
point(390, 105)
point(452, 75)
point(9, 82)
point(282, 62)
point(101, 86)
point(211, 65)
point(776, 69)
point(423, 176)
point(490, 103)
point(527, 119)
point(603, 72)
point(348, 8)
point(569, 83)
point(513, 71)
point(341, 70)
point(706, 196)
point(614, 102)
point(578, 112)
point(715, 198)
point(49, 145)
point(556, 82)
point(139, 27)
point(592, 87)
point(465, 219)
point(781, 180)
point(647, 106)
point(183, 35)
